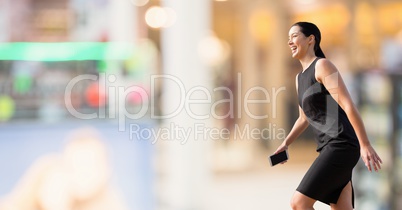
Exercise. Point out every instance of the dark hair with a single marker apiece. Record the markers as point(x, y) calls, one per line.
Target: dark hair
point(311, 29)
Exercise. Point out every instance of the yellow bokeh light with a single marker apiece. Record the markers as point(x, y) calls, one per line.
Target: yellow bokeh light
point(390, 18)
point(7, 108)
point(364, 19)
point(261, 25)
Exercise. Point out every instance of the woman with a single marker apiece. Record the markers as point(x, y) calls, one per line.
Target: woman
point(325, 104)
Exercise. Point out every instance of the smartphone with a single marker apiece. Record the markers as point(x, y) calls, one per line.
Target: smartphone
point(278, 158)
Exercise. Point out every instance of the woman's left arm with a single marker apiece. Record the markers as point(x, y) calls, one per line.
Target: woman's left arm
point(327, 74)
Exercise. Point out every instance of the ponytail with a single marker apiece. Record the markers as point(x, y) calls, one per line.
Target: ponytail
point(319, 52)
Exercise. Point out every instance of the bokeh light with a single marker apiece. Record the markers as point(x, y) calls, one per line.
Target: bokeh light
point(139, 96)
point(158, 17)
point(22, 83)
point(7, 108)
point(212, 50)
point(261, 25)
point(141, 61)
point(95, 95)
point(102, 66)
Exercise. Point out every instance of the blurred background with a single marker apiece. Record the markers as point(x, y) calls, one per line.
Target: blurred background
point(176, 105)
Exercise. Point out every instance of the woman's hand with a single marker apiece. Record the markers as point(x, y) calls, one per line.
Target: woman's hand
point(370, 158)
point(281, 148)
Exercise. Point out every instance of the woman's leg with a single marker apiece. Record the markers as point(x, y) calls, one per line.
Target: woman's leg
point(345, 199)
point(302, 202)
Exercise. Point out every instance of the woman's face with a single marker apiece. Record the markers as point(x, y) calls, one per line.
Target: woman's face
point(298, 42)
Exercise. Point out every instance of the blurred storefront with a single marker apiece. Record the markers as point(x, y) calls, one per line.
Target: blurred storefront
point(237, 46)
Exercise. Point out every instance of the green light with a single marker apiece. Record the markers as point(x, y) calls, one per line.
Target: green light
point(22, 83)
point(65, 51)
point(102, 66)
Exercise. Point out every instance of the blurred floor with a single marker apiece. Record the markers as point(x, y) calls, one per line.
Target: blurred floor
point(263, 187)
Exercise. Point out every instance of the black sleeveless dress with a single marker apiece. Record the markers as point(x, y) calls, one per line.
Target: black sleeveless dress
point(337, 144)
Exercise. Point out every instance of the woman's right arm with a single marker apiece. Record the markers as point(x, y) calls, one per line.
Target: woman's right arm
point(300, 125)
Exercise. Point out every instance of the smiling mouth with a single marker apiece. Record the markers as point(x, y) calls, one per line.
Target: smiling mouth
point(293, 49)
